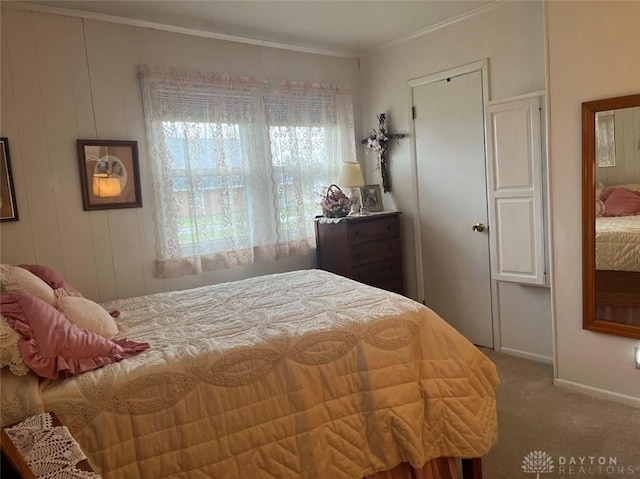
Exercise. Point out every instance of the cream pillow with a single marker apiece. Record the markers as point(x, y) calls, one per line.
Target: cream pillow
point(19, 280)
point(88, 315)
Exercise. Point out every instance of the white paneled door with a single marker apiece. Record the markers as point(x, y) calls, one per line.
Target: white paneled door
point(515, 191)
point(452, 195)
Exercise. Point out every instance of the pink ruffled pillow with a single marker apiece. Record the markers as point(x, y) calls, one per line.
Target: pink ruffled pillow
point(50, 277)
point(622, 202)
point(52, 345)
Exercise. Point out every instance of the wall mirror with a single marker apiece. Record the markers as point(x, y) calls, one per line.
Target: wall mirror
point(611, 215)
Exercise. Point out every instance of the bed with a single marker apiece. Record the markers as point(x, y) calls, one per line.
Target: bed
point(617, 276)
point(618, 243)
point(301, 374)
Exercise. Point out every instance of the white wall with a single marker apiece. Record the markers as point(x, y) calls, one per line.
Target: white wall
point(594, 49)
point(511, 36)
point(66, 78)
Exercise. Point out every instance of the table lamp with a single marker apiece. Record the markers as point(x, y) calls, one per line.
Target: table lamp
point(351, 180)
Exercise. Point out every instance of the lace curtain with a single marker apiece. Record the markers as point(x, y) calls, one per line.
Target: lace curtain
point(238, 165)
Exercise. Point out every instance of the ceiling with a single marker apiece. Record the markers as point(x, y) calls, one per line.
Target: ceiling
point(342, 27)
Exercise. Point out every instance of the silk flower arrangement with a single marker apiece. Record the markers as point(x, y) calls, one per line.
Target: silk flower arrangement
point(334, 203)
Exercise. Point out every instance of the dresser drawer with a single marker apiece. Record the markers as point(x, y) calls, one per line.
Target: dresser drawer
point(376, 251)
point(373, 273)
point(364, 248)
point(378, 229)
point(393, 285)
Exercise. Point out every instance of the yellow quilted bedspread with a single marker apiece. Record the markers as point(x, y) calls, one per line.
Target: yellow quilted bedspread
point(303, 374)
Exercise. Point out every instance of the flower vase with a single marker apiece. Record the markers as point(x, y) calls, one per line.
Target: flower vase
point(335, 203)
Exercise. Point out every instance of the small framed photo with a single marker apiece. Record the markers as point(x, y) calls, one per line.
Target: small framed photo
point(371, 198)
point(8, 207)
point(109, 174)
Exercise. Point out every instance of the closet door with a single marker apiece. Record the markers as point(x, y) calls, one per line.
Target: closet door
point(452, 196)
point(515, 191)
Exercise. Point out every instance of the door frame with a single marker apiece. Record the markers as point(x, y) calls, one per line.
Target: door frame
point(481, 66)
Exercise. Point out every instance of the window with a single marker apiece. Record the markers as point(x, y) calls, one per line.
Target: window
point(239, 165)
point(194, 151)
point(606, 136)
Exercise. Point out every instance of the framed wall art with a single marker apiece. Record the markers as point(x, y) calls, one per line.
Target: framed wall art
point(109, 174)
point(371, 198)
point(8, 207)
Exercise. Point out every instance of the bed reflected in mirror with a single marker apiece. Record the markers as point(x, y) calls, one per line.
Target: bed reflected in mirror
point(611, 215)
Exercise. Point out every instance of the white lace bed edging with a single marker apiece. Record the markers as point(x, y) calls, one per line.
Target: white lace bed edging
point(50, 451)
point(10, 354)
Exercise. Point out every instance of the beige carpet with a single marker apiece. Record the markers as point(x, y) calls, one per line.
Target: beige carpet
point(534, 415)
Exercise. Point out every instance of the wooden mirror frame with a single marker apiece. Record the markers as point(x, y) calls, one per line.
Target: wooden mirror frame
point(589, 320)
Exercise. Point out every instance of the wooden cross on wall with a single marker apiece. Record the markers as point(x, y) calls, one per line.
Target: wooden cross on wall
point(378, 142)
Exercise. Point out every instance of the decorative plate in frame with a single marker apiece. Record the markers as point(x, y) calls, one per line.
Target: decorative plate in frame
point(109, 174)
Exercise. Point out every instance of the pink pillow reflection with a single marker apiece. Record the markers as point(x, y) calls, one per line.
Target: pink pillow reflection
point(622, 202)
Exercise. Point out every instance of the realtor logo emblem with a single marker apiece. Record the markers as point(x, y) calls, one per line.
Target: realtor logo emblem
point(537, 462)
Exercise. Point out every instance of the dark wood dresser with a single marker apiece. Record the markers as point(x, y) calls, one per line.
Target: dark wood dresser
point(364, 248)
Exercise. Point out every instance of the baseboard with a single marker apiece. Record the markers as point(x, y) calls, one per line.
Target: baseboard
point(525, 355)
point(598, 393)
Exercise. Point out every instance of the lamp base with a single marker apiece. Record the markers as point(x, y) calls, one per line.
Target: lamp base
point(355, 195)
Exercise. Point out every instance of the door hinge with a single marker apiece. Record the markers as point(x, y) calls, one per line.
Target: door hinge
point(413, 112)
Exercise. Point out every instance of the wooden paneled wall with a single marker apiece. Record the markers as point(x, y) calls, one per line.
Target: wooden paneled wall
point(65, 78)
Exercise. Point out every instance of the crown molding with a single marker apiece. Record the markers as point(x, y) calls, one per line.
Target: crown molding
point(443, 24)
point(105, 17)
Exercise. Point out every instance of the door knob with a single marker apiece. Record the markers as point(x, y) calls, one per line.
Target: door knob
point(478, 227)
